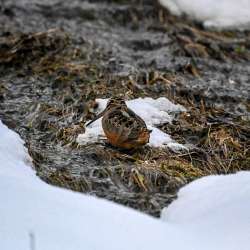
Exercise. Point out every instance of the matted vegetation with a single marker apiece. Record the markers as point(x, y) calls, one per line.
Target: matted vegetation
point(49, 81)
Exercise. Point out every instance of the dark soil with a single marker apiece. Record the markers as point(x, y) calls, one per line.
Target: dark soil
point(57, 56)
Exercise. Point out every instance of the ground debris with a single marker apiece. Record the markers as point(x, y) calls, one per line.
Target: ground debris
point(15, 49)
point(49, 81)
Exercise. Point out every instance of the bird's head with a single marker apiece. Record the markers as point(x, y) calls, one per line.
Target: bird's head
point(112, 103)
point(115, 101)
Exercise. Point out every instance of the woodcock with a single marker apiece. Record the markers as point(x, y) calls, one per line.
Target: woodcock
point(122, 127)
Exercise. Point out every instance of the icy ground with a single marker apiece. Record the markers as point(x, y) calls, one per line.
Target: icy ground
point(213, 13)
point(210, 214)
point(153, 112)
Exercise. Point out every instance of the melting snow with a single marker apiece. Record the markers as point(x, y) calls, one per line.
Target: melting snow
point(153, 112)
point(213, 13)
point(210, 214)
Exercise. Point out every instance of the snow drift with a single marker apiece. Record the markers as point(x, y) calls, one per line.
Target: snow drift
point(213, 13)
point(210, 214)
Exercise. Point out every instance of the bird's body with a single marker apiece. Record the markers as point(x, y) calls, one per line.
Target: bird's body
point(122, 127)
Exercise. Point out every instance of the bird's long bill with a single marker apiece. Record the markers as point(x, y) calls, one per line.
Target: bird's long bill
point(96, 118)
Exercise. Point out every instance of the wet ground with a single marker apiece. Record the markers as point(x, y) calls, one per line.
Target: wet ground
point(56, 57)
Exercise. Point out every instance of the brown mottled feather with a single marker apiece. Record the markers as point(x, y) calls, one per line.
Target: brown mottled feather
point(122, 127)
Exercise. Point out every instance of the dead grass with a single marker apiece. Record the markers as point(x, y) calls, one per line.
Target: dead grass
point(148, 178)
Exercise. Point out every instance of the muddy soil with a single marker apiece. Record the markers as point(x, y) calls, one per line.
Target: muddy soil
point(57, 56)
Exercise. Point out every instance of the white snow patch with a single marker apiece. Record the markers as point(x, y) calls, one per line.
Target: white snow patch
point(210, 214)
point(61, 219)
point(161, 139)
point(216, 209)
point(213, 13)
point(12, 153)
point(35, 215)
point(153, 112)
